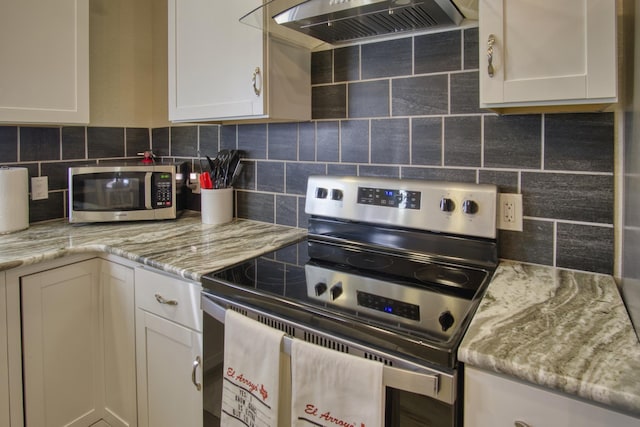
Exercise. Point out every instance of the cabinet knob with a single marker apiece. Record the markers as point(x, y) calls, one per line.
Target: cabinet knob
point(490, 42)
point(163, 300)
point(256, 76)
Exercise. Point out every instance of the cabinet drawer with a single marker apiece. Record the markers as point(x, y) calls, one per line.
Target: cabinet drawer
point(171, 298)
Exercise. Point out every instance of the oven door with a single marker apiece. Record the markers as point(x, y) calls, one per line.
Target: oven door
point(416, 395)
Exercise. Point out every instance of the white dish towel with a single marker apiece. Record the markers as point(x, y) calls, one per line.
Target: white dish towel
point(330, 388)
point(251, 376)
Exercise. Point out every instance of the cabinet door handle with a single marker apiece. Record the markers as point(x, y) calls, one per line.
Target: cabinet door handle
point(256, 76)
point(196, 363)
point(521, 424)
point(162, 300)
point(490, 42)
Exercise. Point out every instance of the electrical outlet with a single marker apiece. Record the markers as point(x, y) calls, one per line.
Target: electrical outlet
point(510, 212)
point(39, 187)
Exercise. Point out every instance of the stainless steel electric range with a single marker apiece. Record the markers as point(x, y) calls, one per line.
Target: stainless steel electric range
point(391, 270)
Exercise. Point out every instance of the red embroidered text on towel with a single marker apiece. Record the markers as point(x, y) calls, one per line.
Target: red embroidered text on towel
point(325, 417)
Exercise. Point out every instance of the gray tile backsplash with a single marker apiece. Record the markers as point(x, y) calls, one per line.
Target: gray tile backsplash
point(401, 108)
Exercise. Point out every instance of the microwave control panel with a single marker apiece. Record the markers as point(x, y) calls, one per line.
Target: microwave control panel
point(162, 194)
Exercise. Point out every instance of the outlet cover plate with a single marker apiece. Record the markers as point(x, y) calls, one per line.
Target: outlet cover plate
point(39, 188)
point(510, 211)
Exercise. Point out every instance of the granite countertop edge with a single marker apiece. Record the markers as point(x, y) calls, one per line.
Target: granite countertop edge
point(563, 330)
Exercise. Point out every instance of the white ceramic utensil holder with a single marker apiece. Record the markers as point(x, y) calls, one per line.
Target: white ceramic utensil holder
point(216, 205)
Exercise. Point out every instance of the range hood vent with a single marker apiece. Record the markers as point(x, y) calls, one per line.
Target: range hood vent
point(336, 21)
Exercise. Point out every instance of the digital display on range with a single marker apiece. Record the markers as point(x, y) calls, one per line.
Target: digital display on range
point(388, 305)
point(401, 199)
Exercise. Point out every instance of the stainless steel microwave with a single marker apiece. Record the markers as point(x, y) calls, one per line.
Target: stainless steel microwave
point(111, 193)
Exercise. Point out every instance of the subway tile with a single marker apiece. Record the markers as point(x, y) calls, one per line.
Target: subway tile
point(390, 141)
point(39, 143)
point(346, 65)
point(471, 48)
point(8, 144)
point(46, 209)
point(160, 141)
point(328, 141)
point(376, 63)
point(247, 178)
point(465, 93)
point(426, 141)
point(379, 171)
point(507, 182)
point(439, 52)
point(417, 96)
point(439, 174)
point(228, 137)
point(286, 210)
point(58, 173)
point(184, 141)
point(342, 169)
point(369, 99)
point(255, 206)
point(513, 141)
point(303, 217)
point(533, 244)
point(298, 173)
point(307, 141)
point(321, 67)
point(579, 142)
point(282, 141)
point(585, 247)
point(575, 197)
point(105, 142)
point(354, 137)
point(137, 141)
point(270, 176)
point(73, 142)
point(252, 139)
point(462, 141)
point(208, 139)
point(329, 102)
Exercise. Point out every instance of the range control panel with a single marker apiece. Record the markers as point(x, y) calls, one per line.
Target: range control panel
point(450, 207)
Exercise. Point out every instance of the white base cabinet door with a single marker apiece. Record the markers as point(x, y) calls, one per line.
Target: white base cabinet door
point(547, 52)
point(169, 351)
point(491, 401)
point(62, 349)
point(44, 46)
point(4, 363)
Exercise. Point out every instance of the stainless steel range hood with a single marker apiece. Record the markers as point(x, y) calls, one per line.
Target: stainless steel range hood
point(336, 21)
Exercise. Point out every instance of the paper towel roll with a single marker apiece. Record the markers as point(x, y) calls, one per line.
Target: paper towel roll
point(14, 199)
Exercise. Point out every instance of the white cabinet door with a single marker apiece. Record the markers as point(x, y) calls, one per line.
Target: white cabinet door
point(4, 364)
point(169, 351)
point(491, 400)
point(44, 46)
point(118, 332)
point(220, 68)
point(62, 349)
point(547, 52)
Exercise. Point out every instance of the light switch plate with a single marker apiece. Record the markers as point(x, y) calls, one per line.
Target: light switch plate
point(39, 187)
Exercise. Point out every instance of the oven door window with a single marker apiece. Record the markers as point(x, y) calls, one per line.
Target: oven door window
point(113, 191)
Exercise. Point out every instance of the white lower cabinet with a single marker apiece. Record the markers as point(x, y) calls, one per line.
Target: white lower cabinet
point(4, 364)
point(491, 400)
point(78, 345)
point(169, 350)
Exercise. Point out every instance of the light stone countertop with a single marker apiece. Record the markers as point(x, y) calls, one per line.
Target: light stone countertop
point(565, 330)
point(184, 247)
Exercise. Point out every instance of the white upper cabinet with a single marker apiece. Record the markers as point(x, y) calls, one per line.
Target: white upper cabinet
point(541, 53)
point(44, 51)
point(222, 69)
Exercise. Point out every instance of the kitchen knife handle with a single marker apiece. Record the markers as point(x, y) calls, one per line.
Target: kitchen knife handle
point(162, 300)
point(196, 363)
point(490, 42)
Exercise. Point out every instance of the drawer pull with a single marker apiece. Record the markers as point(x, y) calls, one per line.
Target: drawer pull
point(521, 424)
point(490, 43)
point(196, 363)
point(162, 300)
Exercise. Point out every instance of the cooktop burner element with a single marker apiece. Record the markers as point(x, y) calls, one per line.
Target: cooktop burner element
point(399, 263)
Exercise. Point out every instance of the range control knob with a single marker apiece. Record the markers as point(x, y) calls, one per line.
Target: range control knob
point(321, 193)
point(446, 320)
point(447, 205)
point(336, 290)
point(336, 194)
point(320, 288)
point(469, 207)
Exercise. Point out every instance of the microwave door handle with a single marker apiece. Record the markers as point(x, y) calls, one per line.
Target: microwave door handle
point(147, 190)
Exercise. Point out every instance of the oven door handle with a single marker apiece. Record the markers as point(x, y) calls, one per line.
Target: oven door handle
point(425, 384)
